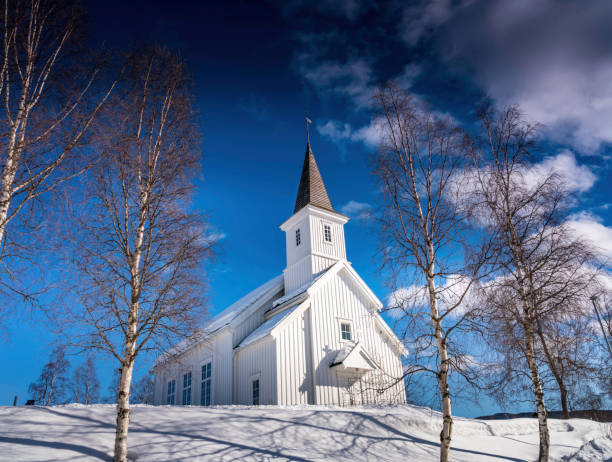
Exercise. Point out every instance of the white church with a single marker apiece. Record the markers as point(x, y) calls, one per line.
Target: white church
point(312, 335)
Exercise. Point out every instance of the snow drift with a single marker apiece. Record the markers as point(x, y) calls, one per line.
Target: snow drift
point(307, 433)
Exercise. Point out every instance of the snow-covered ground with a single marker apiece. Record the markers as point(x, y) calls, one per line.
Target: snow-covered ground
point(228, 433)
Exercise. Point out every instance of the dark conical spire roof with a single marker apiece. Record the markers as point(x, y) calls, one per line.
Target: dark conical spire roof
point(312, 190)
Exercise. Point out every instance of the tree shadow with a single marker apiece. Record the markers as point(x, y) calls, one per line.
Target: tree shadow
point(87, 451)
point(232, 434)
point(356, 431)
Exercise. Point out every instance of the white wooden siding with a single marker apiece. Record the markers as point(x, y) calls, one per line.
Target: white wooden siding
point(320, 263)
point(292, 351)
point(217, 349)
point(295, 253)
point(314, 254)
point(222, 373)
point(243, 328)
point(257, 358)
point(335, 249)
point(338, 298)
point(298, 274)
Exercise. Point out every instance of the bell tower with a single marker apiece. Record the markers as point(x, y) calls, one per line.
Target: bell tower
point(315, 232)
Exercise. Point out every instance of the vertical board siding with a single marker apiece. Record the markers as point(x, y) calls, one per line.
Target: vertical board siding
point(257, 358)
point(338, 298)
point(295, 253)
point(336, 249)
point(242, 329)
point(321, 263)
point(298, 274)
point(293, 378)
point(304, 271)
point(314, 254)
point(217, 349)
point(222, 380)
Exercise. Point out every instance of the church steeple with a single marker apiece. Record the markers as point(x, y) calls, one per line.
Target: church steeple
point(315, 232)
point(312, 189)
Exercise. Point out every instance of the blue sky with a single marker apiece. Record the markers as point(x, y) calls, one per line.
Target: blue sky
point(258, 67)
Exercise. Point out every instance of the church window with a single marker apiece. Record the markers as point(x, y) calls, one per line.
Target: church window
point(187, 388)
point(206, 384)
point(327, 233)
point(255, 392)
point(298, 238)
point(345, 331)
point(171, 390)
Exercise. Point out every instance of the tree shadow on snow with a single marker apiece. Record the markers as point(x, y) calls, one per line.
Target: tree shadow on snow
point(359, 432)
point(57, 445)
point(411, 438)
point(231, 446)
point(356, 431)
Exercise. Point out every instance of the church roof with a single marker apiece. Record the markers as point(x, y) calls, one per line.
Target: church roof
point(353, 356)
point(243, 307)
point(312, 189)
point(251, 300)
point(263, 330)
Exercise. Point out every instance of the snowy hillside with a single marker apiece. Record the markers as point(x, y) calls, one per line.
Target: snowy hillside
point(229, 433)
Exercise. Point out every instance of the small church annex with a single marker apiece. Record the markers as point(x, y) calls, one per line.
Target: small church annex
point(312, 335)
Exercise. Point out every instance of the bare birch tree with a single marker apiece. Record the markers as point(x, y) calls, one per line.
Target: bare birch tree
point(50, 97)
point(85, 383)
point(143, 389)
point(139, 247)
point(422, 229)
point(50, 388)
point(568, 348)
point(539, 261)
point(566, 352)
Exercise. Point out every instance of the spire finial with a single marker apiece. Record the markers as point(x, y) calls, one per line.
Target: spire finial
point(308, 122)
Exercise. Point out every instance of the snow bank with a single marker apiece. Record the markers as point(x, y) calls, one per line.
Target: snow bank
point(597, 449)
point(301, 433)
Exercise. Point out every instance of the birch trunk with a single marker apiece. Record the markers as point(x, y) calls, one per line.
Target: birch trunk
point(555, 371)
point(123, 396)
point(442, 376)
point(539, 395)
point(127, 368)
point(123, 405)
point(13, 154)
point(564, 406)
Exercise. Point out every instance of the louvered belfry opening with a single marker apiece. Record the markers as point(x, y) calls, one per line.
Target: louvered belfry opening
point(312, 189)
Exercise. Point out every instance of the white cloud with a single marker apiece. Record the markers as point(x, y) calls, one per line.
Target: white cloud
point(589, 227)
point(419, 19)
point(406, 298)
point(336, 131)
point(579, 178)
point(370, 135)
point(575, 177)
point(215, 237)
point(553, 59)
point(342, 132)
point(352, 78)
point(356, 210)
point(456, 290)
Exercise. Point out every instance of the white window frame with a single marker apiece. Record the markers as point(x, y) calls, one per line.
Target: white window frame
point(252, 379)
point(331, 236)
point(208, 380)
point(298, 237)
point(351, 327)
point(188, 375)
point(171, 394)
